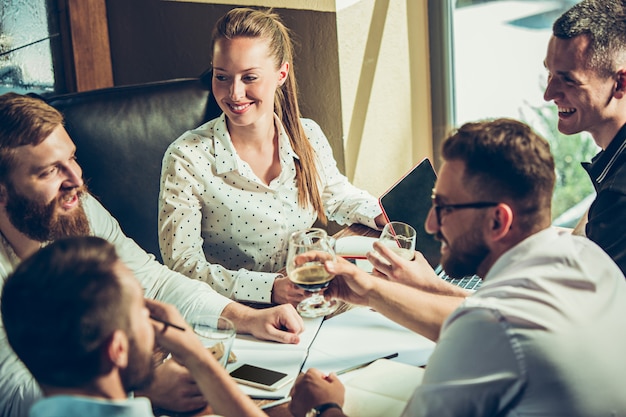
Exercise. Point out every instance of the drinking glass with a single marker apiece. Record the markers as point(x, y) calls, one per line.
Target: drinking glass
point(216, 334)
point(311, 276)
point(400, 238)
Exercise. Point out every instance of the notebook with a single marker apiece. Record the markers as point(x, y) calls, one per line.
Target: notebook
point(381, 389)
point(409, 201)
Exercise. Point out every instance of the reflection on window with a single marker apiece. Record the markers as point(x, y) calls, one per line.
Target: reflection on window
point(25, 46)
point(499, 48)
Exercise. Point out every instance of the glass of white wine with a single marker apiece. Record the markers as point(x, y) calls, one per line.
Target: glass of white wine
point(311, 275)
point(400, 238)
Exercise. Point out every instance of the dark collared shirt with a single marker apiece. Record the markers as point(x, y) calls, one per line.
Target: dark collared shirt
point(607, 215)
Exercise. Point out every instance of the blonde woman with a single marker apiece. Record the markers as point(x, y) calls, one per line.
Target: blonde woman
point(235, 188)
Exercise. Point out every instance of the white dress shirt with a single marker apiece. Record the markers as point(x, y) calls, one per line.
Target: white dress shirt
point(18, 389)
point(543, 336)
point(219, 223)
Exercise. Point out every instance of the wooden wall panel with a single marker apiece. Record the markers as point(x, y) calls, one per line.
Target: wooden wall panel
point(85, 28)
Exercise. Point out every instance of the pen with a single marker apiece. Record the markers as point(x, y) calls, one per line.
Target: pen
point(275, 403)
point(167, 323)
point(363, 365)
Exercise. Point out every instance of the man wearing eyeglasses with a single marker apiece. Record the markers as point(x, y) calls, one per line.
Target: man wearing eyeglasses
point(538, 337)
point(586, 63)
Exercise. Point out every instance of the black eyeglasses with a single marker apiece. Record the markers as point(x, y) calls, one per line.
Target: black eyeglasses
point(451, 207)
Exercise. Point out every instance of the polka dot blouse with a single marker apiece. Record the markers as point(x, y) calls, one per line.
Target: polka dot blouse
point(218, 222)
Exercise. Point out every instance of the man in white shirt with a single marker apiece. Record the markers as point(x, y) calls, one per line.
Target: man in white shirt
point(586, 64)
point(77, 317)
point(43, 198)
point(541, 334)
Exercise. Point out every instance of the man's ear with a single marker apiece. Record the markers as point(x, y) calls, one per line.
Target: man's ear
point(117, 349)
point(501, 221)
point(620, 84)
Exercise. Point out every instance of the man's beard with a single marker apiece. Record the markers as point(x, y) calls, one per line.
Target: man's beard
point(41, 222)
point(465, 255)
point(140, 370)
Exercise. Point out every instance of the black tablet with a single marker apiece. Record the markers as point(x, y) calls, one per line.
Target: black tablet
point(409, 201)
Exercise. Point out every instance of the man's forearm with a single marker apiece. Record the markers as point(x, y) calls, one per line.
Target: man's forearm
point(423, 312)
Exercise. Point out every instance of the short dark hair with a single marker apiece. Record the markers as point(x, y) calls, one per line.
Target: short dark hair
point(24, 120)
point(604, 23)
point(59, 307)
point(505, 160)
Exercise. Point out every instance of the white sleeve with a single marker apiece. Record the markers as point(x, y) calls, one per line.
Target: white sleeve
point(180, 233)
point(190, 296)
point(343, 202)
point(18, 389)
point(474, 371)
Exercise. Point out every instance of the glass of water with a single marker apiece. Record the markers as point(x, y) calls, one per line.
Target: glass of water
point(216, 334)
point(400, 238)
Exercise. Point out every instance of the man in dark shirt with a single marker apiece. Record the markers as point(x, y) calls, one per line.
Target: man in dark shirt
point(586, 63)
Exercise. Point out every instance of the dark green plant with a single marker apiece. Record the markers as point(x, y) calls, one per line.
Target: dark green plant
point(572, 182)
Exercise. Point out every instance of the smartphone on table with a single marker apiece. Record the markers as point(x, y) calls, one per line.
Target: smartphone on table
point(258, 377)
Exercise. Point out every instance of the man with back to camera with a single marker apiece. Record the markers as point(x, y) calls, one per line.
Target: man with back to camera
point(538, 337)
point(76, 316)
point(43, 198)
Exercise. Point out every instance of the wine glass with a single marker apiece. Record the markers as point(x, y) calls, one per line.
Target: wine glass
point(400, 238)
point(311, 275)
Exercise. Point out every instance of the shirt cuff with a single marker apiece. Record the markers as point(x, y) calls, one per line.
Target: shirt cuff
point(212, 304)
point(255, 286)
point(369, 219)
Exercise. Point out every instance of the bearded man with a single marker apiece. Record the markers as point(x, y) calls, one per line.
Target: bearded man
point(43, 198)
point(548, 298)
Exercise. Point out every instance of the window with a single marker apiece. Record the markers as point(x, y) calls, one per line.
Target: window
point(495, 69)
point(28, 36)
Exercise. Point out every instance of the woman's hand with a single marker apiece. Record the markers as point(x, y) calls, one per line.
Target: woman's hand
point(286, 292)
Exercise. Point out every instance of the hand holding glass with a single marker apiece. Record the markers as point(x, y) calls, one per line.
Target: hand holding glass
point(400, 238)
point(311, 275)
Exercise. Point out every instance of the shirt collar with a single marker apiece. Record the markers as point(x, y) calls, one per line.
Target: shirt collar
point(225, 153)
point(286, 152)
point(519, 251)
point(601, 164)
point(13, 258)
point(226, 158)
